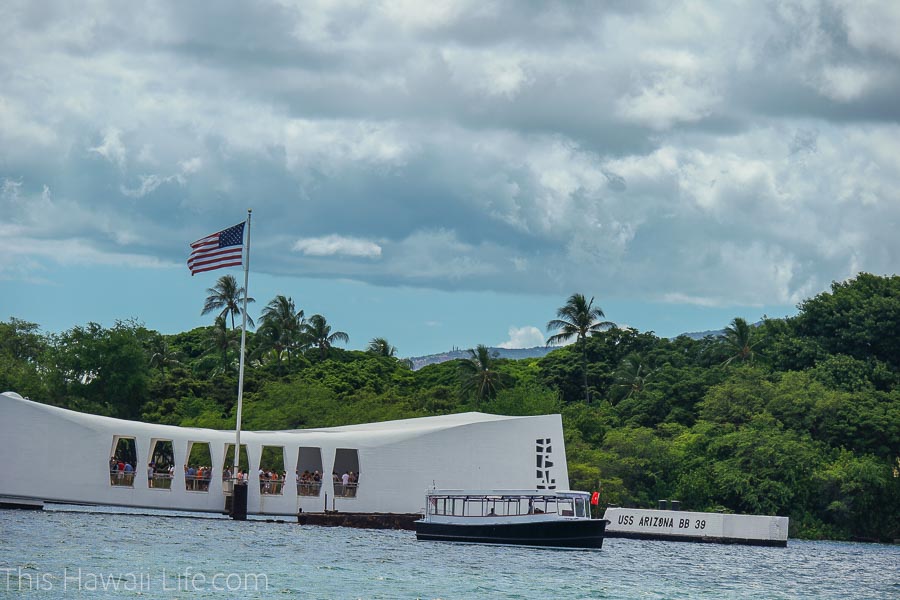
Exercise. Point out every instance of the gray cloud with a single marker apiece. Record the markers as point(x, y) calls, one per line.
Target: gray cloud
point(689, 152)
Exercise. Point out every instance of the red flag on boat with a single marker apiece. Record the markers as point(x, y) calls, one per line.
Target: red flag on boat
point(595, 498)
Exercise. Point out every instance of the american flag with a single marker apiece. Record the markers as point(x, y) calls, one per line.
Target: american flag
point(222, 249)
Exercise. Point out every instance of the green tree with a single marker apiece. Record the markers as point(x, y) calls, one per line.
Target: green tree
point(106, 369)
point(859, 317)
point(280, 332)
point(319, 334)
point(631, 377)
point(738, 399)
point(381, 347)
point(579, 318)
point(164, 356)
point(220, 342)
point(480, 378)
point(226, 295)
point(738, 340)
point(21, 340)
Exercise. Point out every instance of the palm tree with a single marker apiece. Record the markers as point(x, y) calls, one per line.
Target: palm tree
point(318, 333)
point(381, 347)
point(220, 341)
point(280, 331)
point(274, 343)
point(479, 375)
point(578, 318)
point(631, 377)
point(739, 341)
point(229, 297)
point(164, 355)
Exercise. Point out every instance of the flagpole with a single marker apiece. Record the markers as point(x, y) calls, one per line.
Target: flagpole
point(237, 430)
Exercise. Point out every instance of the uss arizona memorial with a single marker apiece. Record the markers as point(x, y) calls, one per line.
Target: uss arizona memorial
point(50, 454)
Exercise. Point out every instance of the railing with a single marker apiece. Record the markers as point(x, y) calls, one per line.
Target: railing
point(197, 483)
point(160, 481)
point(309, 488)
point(200, 483)
point(121, 478)
point(271, 487)
point(345, 491)
point(228, 484)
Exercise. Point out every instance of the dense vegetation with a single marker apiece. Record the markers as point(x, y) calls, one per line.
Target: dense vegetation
point(796, 417)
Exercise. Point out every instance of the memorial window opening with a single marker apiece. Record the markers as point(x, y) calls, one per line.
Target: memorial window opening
point(122, 461)
point(345, 473)
point(309, 471)
point(198, 467)
point(271, 471)
point(242, 474)
point(160, 465)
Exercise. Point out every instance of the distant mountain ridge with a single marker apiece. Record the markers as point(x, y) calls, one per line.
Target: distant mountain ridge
point(537, 352)
point(512, 353)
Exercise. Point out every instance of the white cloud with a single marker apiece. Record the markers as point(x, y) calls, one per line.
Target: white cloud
point(191, 165)
point(872, 24)
point(845, 83)
point(328, 146)
point(501, 73)
point(336, 245)
point(528, 336)
point(662, 147)
point(111, 148)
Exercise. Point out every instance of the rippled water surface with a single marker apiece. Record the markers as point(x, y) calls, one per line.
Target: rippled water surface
point(76, 553)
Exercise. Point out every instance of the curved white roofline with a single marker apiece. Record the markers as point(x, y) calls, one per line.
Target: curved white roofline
point(62, 455)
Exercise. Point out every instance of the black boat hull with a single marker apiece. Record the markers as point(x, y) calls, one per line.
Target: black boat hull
point(561, 534)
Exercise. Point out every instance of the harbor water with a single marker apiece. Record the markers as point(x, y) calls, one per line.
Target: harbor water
point(77, 552)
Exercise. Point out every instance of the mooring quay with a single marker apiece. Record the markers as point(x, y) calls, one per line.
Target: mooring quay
point(688, 526)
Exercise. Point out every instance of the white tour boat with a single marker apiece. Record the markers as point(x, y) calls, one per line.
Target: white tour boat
point(521, 517)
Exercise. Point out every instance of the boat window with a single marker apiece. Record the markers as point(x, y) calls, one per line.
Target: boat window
point(309, 471)
point(271, 470)
point(345, 473)
point(579, 507)
point(477, 507)
point(122, 461)
point(565, 507)
point(198, 468)
point(161, 465)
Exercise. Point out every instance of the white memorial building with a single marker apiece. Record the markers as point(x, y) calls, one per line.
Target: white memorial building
point(49, 454)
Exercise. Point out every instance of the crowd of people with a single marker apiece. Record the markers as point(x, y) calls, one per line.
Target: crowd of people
point(197, 478)
point(309, 484)
point(121, 472)
point(270, 482)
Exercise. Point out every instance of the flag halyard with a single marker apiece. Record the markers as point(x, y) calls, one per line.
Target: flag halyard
point(218, 250)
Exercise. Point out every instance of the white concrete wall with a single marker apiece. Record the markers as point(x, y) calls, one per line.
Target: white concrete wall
point(52, 454)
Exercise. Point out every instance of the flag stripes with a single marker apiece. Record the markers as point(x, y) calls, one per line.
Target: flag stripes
point(218, 250)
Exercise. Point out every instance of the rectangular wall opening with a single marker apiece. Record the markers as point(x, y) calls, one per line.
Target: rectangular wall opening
point(309, 471)
point(243, 466)
point(271, 470)
point(161, 466)
point(122, 461)
point(345, 474)
point(198, 468)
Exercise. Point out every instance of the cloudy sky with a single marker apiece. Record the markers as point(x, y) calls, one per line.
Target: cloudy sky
point(447, 173)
